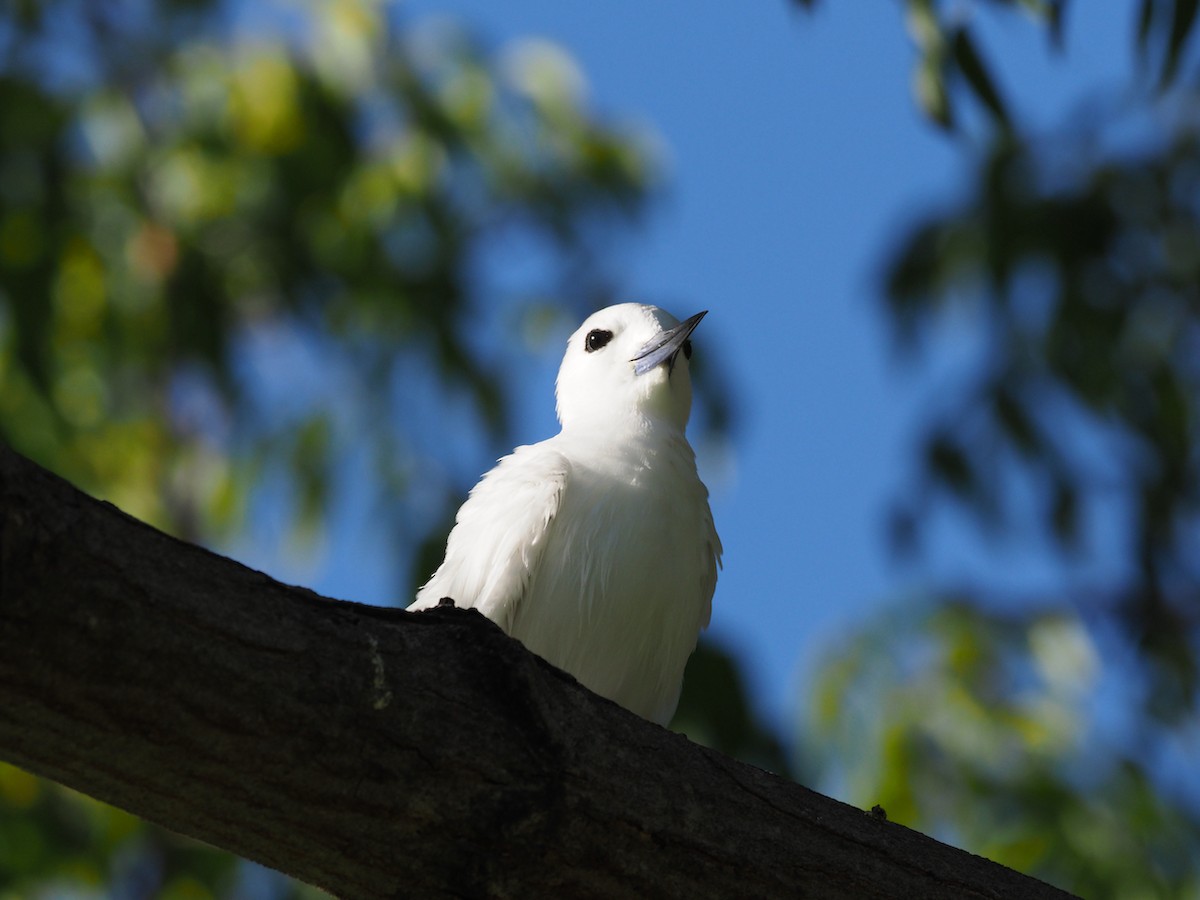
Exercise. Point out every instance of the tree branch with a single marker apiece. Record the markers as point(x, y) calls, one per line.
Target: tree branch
point(378, 753)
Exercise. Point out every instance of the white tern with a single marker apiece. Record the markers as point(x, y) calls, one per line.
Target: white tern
point(596, 548)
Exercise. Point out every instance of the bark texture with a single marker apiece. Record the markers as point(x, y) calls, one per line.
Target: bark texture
point(378, 753)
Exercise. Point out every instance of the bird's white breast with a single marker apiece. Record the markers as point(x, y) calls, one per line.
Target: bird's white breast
point(626, 579)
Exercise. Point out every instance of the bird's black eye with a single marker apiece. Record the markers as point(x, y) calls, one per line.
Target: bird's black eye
point(596, 338)
point(687, 348)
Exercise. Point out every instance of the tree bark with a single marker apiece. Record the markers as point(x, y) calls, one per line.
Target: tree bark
point(379, 753)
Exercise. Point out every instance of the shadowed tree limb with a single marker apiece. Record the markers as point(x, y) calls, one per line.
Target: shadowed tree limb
point(378, 753)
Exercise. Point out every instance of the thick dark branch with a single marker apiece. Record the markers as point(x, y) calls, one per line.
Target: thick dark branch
point(378, 753)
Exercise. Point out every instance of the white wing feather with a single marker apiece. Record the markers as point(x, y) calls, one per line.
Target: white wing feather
point(487, 567)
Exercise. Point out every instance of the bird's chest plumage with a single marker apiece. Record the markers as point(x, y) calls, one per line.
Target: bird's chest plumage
point(623, 588)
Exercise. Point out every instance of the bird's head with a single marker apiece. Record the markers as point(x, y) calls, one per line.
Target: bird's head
point(626, 362)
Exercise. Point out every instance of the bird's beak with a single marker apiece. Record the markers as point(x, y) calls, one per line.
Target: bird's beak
point(665, 346)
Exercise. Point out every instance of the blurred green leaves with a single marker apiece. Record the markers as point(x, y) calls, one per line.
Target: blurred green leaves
point(344, 181)
point(947, 53)
point(951, 70)
point(994, 731)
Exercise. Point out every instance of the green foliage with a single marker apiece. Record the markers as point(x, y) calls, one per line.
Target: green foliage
point(948, 58)
point(207, 190)
point(987, 730)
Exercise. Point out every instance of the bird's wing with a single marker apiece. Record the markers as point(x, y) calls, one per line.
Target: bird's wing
point(500, 534)
point(712, 562)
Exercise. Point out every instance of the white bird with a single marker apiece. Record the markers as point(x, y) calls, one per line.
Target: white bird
point(596, 548)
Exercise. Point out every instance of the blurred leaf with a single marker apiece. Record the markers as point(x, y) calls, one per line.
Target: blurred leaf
point(1183, 17)
point(973, 69)
point(1145, 22)
point(949, 465)
point(1056, 13)
point(929, 87)
point(1064, 515)
point(1013, 417)
point(931, 92)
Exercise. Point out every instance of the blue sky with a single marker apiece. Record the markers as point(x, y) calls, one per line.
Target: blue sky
point(795, 159)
